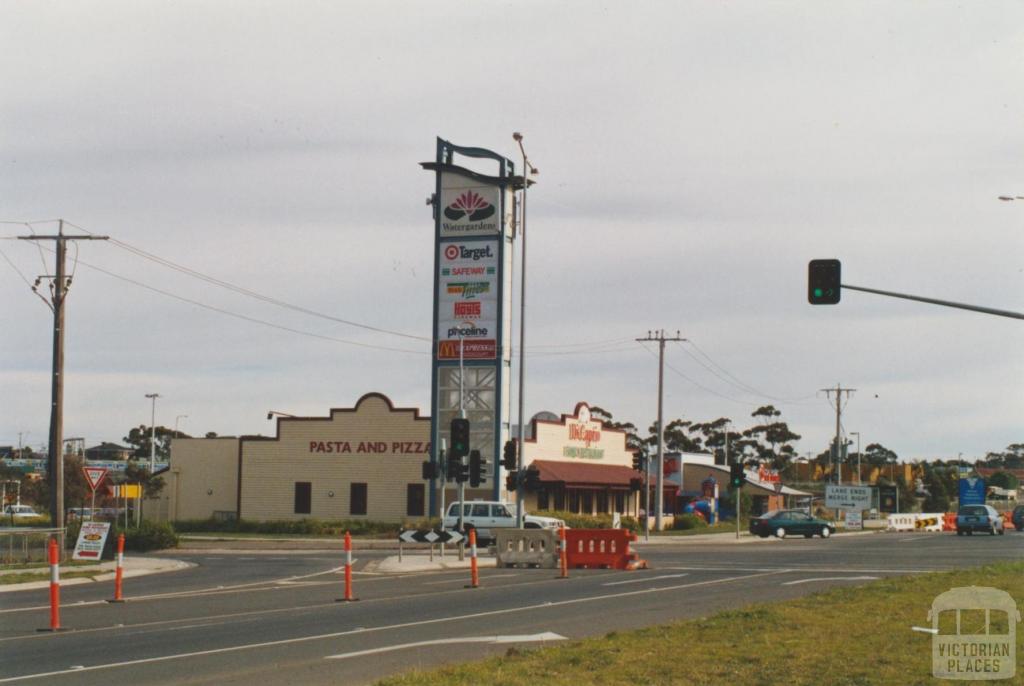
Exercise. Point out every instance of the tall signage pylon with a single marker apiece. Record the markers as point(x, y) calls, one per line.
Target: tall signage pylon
point(472, 340)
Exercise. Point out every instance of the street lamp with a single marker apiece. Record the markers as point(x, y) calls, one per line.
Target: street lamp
point(528, 169)
point(152, 432)
point(274, 413)
point(180, 416)
point(857, 434)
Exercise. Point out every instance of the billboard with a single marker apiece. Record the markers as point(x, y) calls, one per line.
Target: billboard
point(848, 497)
point(467, 297)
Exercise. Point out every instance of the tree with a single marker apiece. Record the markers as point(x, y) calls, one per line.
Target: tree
point(139, 439)
point(1011, 458)
point(878, 455)
point(137, 474)
point(714, 436)
point(773, 433)
point(76, 489)
point(1004, 480)
point(677, 438)
point(633, 440)
point(937, 499)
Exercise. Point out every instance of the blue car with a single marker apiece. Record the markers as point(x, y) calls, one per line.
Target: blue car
point(983, 518)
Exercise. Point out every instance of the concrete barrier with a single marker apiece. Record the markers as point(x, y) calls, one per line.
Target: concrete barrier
point(917, 521)
point(527, 547)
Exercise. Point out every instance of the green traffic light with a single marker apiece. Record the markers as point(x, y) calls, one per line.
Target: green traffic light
point(818, 292)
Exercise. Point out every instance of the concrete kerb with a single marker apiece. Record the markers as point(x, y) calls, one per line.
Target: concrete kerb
point(105, 571)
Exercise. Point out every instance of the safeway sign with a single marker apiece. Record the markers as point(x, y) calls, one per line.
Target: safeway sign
point(848, 497)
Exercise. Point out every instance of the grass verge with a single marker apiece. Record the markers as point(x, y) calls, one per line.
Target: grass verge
point(857, 636)
point(25, 577)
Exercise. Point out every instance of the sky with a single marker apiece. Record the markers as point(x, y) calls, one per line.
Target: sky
point(693, 157)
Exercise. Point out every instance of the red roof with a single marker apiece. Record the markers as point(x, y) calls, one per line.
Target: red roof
point(585, 474)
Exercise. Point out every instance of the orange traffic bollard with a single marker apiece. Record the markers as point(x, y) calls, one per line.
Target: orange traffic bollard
point(474, 575)
point(119, 574)
point(348, 570)
point(54, 557)
point(562, 554)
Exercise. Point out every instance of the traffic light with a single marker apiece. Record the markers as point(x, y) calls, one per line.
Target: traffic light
point(429, 470)
point(823, 282)
point(512, 481)
point(460, 437)
point(532, 480)
point(454, 467)
point(639, 461)
point(476, 468)
point(508, 457)
point(636, 484)
point(737, 477)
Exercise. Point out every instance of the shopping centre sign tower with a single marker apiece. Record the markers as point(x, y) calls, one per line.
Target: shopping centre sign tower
point(474, 216)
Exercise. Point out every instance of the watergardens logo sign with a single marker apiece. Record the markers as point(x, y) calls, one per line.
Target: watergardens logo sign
point(470, 211)
point(974, 634)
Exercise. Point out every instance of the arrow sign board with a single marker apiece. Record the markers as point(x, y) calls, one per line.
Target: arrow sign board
point(430, 536)
point(94, 475)
point(848, 497)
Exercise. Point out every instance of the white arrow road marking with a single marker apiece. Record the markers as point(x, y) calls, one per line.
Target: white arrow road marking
point(546, 636)
point(829, 578)
point(646, 578)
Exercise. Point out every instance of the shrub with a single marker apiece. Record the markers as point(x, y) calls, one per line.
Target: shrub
point(301, 527)
point(149, 535)
point(684, 522)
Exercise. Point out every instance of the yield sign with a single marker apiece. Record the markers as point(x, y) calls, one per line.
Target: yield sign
point(94, 475)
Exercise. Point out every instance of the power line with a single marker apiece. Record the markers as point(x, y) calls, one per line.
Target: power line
point(738, 382)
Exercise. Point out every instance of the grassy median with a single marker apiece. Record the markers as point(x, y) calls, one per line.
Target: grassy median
point(856, 635)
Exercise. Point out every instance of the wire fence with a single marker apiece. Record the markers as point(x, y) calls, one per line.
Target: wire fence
point(25, 544)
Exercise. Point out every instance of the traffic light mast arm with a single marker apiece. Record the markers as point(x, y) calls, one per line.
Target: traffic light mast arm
point(934, 301)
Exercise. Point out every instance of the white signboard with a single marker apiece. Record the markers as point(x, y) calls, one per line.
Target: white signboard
point(468, 207)
point(90, 541)
point(467, 300)
point(848, 497)
point(854, 521)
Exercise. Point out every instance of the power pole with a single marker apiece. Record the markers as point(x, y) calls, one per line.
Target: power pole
point(59, 286)
point(659, 495)
point(835, 452)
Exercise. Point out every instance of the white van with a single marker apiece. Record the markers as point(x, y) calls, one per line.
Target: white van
point(487, 515)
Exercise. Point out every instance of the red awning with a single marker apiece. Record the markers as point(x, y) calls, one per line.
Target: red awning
point(582, 474)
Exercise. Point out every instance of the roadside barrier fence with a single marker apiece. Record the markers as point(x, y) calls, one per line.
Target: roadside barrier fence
point(602, 549)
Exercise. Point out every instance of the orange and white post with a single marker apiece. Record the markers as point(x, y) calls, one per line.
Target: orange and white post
point(119, 574)
point(348, 570)
point(563, 555)
point(474, 574)
point(54, 557)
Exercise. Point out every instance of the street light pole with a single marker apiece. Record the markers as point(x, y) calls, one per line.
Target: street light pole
point(857, 434)
point(180, 416)
point(528, 170)
point(152, 433)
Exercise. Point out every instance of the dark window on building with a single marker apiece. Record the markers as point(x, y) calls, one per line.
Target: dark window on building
point(588, 502)
point(415, 496)
point(303, 497)
point(620, 501)
point(560, 499)
point(602, 502)
point(574, 501)
point(542, 499)
point(357, 499)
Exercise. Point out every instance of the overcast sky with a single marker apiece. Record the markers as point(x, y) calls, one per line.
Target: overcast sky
point(693, 156)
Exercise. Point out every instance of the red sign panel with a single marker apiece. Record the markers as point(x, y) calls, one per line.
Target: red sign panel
point(472, 350)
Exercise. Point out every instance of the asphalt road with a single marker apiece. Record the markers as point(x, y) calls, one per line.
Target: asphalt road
point(241, 616)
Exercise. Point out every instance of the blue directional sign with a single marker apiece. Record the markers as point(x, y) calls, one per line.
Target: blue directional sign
point(972, 491)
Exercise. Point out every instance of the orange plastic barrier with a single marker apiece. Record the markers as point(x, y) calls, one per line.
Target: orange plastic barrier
point(1008, 520)
point(601, 549)
point(949, 521)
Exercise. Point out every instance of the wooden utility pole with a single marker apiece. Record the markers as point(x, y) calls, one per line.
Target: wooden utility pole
point(659, 495)
point(59, 286)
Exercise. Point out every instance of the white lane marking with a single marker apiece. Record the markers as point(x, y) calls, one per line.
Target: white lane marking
point(546, 636)
point(924, 630)
point(462, 580)
point(439, 620)
point(798, 568)
point(829, 578)
point(646, 578)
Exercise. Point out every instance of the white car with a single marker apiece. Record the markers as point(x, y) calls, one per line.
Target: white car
point(487, 515)
point(20, 512)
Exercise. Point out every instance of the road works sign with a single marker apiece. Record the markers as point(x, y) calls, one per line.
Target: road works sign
point(91, 538)
point(848, 497)
point(94, 476)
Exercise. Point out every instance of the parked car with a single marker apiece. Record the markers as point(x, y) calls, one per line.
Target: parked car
point(782, 523)
point(487, 515)
point(1018, 518)
point(971, 518)
point(17, 512)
